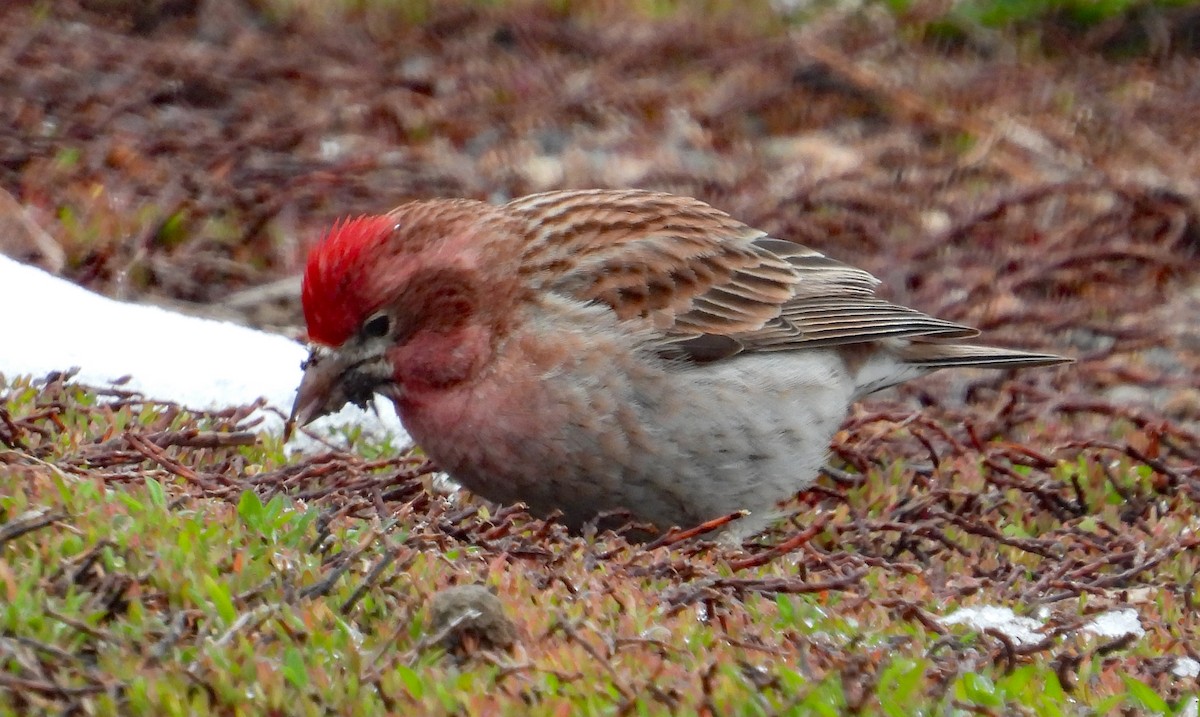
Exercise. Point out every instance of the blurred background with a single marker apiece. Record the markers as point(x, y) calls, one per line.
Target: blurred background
point(1024, 167)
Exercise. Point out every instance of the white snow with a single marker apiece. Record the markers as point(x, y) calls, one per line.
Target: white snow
point(1027, 630)
point(50, 325)
point(1021, 630)
point(1116, 623)
point(1186, 667)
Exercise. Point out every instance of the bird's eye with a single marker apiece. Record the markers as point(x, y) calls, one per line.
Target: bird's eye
point(376, 327)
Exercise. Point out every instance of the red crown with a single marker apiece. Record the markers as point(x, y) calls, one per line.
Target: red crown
point(335, 303)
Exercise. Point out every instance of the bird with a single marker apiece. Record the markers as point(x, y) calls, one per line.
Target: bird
point(606, 352)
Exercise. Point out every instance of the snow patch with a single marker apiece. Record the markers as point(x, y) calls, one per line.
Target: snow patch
point(1027, 630)
point(1116, 623)
point(1021, 630)
point(54, 325)
point(1186, 667)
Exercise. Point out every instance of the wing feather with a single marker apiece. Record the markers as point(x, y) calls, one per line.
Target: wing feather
point(710, 284)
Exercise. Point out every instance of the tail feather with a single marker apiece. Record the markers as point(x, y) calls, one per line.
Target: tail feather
point(931, 355)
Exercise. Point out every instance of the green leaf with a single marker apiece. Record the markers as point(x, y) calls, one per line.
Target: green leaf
point(898, 685)
point(294, 668)
point(299, 528)
point(979, 689)
point(1144, 696)
point(412, 681)
point(250, 508)
point(157, 497)
point(221, 599)
point(272, 510)
point(787, 612)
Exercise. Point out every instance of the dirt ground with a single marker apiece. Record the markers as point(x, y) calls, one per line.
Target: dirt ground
point(188, 153)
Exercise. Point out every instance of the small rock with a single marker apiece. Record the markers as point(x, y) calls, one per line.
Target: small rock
point(467, 617)
point(1184, 404)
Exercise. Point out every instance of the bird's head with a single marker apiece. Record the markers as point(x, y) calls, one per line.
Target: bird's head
point(407, 301)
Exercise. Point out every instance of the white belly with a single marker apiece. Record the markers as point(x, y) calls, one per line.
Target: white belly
point(757, 428)
point(673, 445)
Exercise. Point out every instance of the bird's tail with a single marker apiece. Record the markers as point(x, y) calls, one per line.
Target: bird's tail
point(933, 355)
point(917, 358)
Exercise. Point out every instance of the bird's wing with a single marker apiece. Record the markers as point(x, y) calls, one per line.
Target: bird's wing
point(710, 284)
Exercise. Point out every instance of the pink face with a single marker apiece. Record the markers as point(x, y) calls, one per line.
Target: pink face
point(398, 303)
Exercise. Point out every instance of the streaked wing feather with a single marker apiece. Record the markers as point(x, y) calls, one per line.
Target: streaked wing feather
point(711, 284)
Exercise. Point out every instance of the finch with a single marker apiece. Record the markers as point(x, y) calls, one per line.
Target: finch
point(601, 352)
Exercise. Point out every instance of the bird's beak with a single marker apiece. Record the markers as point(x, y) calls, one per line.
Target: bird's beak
point(320, 391)
point(333, 378)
